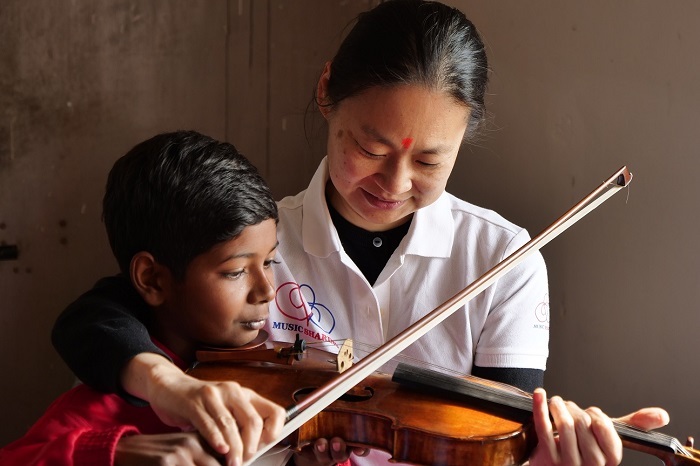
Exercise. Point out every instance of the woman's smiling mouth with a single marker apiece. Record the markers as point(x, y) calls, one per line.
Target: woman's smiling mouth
point(380, 203)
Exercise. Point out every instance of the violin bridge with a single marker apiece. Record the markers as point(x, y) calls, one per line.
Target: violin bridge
point(345, 356)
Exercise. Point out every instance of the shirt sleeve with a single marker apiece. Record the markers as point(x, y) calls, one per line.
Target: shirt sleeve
point(516, 330)
point(71, 432)
point(101, 331)
point(525, 379)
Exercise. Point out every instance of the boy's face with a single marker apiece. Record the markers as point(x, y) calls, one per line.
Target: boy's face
point(223, 299)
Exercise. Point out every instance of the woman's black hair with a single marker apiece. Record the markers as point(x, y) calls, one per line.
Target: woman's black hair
point(412, 42)
point(177, 195)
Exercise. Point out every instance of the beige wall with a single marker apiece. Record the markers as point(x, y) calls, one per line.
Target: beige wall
point(578, 89)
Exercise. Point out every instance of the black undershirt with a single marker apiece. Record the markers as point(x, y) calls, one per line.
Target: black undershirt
point(369, 250)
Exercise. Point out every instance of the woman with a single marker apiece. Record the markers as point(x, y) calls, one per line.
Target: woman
point(375, 242)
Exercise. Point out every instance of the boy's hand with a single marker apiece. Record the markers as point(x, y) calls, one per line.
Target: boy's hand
point(325, 453)
point(583, 437)
point(178, 449)
point(234, 420)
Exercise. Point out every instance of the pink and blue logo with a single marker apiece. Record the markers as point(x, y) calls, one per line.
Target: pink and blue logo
point(292, 300)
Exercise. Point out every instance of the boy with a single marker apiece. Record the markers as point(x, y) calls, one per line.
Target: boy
point(193, 227)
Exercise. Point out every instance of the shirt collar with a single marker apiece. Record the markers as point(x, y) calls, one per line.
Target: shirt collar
point(319, 235)
point(431, 233)
point(432, 230)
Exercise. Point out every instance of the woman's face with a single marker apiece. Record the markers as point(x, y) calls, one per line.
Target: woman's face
point(390, 152)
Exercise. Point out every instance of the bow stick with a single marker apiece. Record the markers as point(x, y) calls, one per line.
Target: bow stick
point(322, 397)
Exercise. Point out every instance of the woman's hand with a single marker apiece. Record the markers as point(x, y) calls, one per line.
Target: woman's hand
point(327, 453)
point(234, 420)
point(583, 437)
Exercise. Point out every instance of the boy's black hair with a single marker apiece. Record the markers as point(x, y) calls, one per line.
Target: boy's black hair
point(177, 195)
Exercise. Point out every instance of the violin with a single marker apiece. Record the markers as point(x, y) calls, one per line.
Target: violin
point(451, 430)
point(414, 426)
point(419, 416)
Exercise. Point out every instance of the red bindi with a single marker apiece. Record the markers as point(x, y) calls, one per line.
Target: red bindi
point(406, 143)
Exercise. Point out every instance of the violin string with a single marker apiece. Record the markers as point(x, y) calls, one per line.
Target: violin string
point(399, 358)
point(658, 438)
point(418, 362)
point(366, 348)
point(493, 388)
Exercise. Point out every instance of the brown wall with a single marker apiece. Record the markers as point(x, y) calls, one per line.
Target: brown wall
point(578, 89)
point(83, 81)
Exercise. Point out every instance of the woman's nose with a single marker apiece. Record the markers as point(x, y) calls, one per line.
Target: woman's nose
point(397, 176)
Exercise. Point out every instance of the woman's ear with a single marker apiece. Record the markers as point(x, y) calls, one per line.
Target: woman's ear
point(151, 279)
point(322, 91)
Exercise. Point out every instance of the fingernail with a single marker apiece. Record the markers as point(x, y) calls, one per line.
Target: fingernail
point(335, 446)
point(321, 447)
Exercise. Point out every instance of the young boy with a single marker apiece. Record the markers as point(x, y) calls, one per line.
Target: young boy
point(193, 227)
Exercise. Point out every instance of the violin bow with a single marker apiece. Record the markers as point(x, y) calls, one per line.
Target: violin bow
point(322, 397)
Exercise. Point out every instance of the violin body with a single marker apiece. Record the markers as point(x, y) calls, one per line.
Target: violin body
point(429, 418)
point(413, 426)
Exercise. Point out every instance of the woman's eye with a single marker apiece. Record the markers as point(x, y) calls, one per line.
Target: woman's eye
point(368, 152)
point(427, 164)
point(365, 151)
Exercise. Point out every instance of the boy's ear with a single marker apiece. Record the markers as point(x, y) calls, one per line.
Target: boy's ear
point(322, 91)
point(151, 279)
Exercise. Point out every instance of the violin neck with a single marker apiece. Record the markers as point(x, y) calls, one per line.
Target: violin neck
point(663, 446)
point(470, 386)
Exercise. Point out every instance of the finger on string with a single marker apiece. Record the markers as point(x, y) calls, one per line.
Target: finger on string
point(566, 430)
point(608, 440)
point(543, 426)
point(590, 449)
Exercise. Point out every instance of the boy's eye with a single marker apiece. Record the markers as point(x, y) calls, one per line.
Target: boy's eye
point(269, 262)
point(235, 274)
